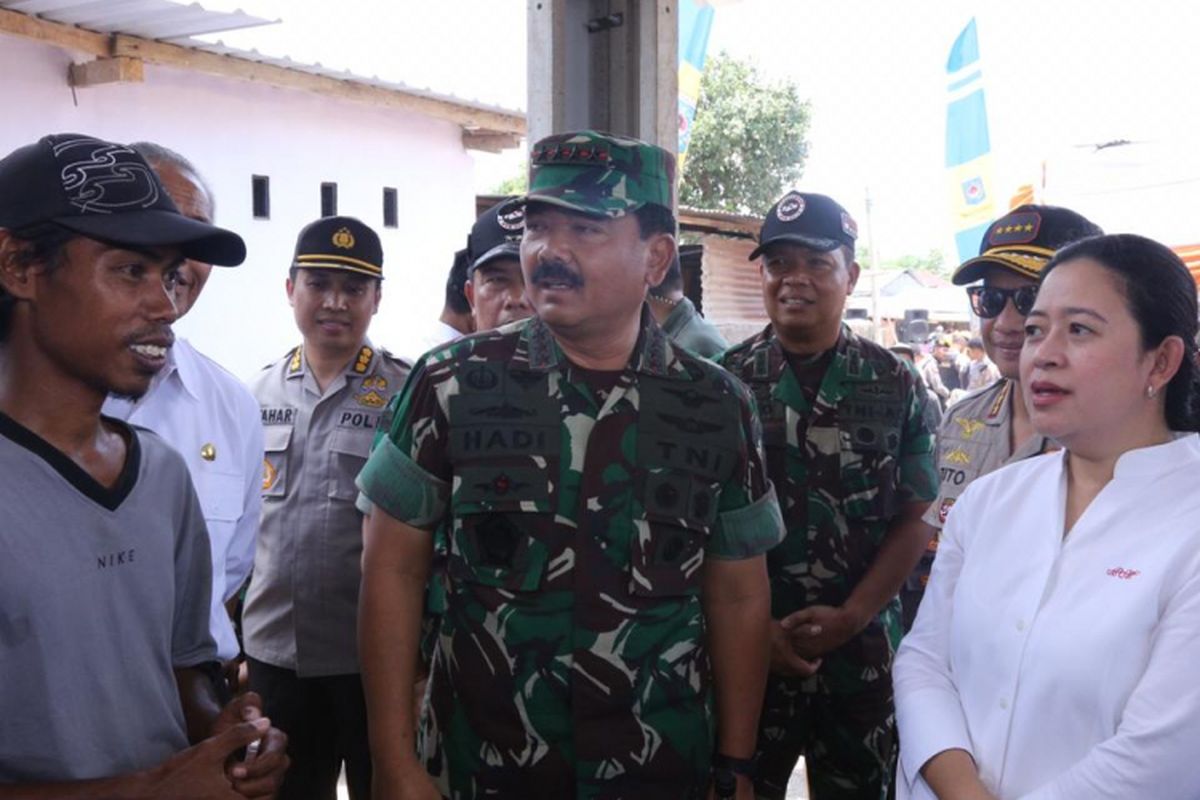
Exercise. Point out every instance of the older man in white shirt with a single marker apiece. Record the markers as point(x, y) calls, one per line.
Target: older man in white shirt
point(209, 416)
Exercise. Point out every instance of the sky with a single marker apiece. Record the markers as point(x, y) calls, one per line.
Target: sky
point(1061, 76)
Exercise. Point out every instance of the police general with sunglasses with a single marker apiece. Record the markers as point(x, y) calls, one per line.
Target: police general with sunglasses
point(990, 427)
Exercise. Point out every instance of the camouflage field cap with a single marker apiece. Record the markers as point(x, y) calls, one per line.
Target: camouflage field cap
point(598, 173)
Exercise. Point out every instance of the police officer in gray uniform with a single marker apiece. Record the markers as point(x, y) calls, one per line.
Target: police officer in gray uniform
point(990, 427)
point(320, 405)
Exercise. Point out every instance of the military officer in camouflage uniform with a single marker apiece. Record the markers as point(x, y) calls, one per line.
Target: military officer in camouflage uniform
point(605, 630)
point(320, 405)
point(679, 318)
point(990, 427)
point(850, 454)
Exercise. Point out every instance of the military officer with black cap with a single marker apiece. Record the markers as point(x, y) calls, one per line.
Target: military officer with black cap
point(848, 449)
point(320, 405)
point(990, 427)
point(495, 288)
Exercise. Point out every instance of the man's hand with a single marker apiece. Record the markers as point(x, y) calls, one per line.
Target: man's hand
point(260, 773)
point(199, 772)
point(818, 630)
point(785, 660)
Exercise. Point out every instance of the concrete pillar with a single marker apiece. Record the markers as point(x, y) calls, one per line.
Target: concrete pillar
point(606, 64)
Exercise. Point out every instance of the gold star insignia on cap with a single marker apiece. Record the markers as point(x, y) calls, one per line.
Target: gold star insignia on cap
point(208, 452)
point(343, 238)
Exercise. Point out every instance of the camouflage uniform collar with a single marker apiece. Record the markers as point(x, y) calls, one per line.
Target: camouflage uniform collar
point(652, 355)
point(771, 367)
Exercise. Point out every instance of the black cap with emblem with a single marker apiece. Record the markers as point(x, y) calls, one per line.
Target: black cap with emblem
point(496, 234)
point(104, 191)
point(340, 243)
point(1024, 239)
point(805, 218)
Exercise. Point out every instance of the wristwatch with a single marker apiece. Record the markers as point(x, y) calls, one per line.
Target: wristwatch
point(725, 770)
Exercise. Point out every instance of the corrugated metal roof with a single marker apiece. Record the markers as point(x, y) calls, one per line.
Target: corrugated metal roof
point(163, 20)
point(221, 49)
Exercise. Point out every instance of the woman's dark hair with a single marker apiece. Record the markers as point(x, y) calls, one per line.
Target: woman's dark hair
point(1161, 296)
point(43, 244)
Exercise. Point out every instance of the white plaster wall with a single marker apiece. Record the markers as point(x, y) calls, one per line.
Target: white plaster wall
point(234, 129)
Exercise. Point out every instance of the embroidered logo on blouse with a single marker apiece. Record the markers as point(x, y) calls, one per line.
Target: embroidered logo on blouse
point(1122, 573)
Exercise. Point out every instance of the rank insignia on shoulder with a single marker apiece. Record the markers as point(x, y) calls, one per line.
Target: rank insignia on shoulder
point(998, 403)
point(969, 426)
point(958, 456)
point(364, 360)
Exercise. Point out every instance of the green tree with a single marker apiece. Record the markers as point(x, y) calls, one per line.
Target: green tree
point(748, 140)
point(514, 184)
point(933, 261)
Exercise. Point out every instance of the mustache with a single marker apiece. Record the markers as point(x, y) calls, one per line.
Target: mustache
point(555, 272)
point(153, 333)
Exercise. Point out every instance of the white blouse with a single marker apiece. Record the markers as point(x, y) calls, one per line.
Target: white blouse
point(1068, 668)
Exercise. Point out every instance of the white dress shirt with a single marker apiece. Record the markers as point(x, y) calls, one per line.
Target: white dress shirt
point(211, 418)
point(1065, 666)
point(435, 333)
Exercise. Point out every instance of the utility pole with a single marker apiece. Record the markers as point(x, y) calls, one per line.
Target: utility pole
point(876, 262)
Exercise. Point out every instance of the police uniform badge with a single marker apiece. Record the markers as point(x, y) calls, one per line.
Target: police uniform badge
point(343, 238)
point(371, 393)
point(969, 426)
point(270, 475)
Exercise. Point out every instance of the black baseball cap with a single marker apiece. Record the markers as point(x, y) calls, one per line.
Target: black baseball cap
point(1024, 240)
point(808, 219)
point(343, 243)
point(496, 234)
point(105, 191)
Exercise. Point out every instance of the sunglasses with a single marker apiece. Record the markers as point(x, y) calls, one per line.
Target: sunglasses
point(988, 301)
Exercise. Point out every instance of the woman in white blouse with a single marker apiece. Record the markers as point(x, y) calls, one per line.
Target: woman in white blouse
point(1056, 655)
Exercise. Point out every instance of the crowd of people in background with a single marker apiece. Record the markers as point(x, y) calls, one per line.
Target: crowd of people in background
point(569, 542)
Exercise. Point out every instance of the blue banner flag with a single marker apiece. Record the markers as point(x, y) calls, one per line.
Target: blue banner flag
point(968, 148)
point(695, 23)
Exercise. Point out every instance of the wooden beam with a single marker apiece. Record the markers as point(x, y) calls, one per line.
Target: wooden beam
point(171, 55)
point(490, 141)
point(68, 36)
point(105, 70)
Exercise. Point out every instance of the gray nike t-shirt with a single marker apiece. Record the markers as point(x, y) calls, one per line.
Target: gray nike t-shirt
point(102, 593)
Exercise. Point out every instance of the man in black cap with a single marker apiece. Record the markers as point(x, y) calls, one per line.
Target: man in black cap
point(109, 669)
point(990, 427)
point(320, 405)
point(848, 447)
point(495, 287)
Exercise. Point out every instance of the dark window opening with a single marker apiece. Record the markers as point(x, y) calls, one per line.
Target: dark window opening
point(328, 199)
point(260, 196)
point(390, 216)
